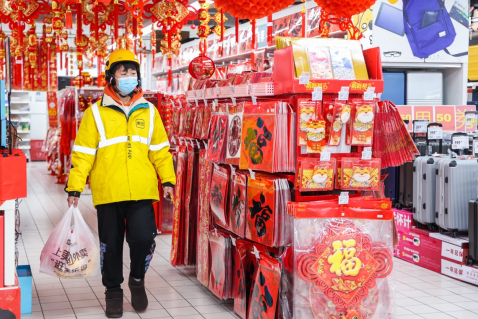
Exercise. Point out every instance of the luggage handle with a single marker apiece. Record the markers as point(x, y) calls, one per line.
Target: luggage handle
point(440, 141)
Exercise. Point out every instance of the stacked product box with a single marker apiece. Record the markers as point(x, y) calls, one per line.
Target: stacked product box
point(434, 251)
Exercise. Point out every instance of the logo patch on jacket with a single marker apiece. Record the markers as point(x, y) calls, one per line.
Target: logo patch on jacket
point(140, 124)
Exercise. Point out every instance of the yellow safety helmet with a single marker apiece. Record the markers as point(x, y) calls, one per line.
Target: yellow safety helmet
point(121, 55)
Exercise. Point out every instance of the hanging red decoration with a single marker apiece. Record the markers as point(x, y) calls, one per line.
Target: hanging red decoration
point(342, 12)
point(252, 9)
point(170, 16)
point(202, 67)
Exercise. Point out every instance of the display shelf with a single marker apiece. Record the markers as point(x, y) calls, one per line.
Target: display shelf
point(25, 140)
point(24, 147)
point(242, 90)
point(19, 102)
point(218, 61)
point(24, 132)
point(19, 112)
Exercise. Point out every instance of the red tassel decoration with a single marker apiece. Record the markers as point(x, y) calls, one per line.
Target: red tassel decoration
point(269, 30)
point(237, 30)
point(304, 22)
point(135, 27)
point(68, 19)
point(116, 20)
point(66, 62)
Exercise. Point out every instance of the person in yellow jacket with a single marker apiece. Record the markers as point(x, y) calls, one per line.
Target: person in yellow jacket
point(121, 145)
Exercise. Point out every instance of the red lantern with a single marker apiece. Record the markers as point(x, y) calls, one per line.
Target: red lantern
point(202, 67)
point(252, 9)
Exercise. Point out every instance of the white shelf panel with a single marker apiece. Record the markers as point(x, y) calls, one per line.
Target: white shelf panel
point(19, 102)
point(19, 112)
point(24, 132)
point(25, 140)
point(24, 147)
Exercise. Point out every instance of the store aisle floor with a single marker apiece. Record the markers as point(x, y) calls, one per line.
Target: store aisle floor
point(175, 293)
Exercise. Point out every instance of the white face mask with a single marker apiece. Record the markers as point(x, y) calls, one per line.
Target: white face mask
point(127, 84)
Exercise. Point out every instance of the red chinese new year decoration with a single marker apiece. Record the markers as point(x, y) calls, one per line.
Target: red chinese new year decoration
point(342, 12)
point(170, 16)
point(344, 265)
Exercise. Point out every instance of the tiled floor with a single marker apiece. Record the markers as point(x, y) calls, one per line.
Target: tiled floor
point(175, 292)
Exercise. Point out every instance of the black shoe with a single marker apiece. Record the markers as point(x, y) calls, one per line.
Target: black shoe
point(139, 299)
point(114, 304)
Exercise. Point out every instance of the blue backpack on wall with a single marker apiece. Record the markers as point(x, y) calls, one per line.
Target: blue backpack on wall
point(428, 27)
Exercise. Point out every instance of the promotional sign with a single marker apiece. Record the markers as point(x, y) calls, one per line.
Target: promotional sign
point(52, 109)
point(446, 116)
point(407, 42)
point(451, 117)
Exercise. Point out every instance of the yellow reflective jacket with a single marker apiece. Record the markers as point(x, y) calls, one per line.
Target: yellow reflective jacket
point(120, 154)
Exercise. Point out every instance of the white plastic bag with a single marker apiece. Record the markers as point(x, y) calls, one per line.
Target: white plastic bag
point(71, 250)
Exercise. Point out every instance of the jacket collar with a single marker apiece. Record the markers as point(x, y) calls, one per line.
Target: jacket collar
point(109, 101)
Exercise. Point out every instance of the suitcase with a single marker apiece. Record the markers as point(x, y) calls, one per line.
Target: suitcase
point(424, 181)
point(472, 232)
point(405, 185)
point(391, 183)
point(455, 186)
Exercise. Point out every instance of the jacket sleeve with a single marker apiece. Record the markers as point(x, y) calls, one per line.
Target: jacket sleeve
point(83, 155)
point(159, 153)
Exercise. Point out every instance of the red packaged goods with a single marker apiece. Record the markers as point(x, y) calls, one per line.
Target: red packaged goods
point(182, 121)
point(343, 259)
point(206, 122)
point(177, 246)
point(257, 150)
point(266, 219)
point(221, 73)
point(245, 265)
point(258, 63)
point(219, 195)
point(234, 134)
point(341, 117)
point(234, 45)
point(220, 277)
point(189, 122)
point(237, 204)
point(358, 174)
point(190, 206)
point(363, 114)
point(199, 122)
point(316, 175)
point(281, 26)
point(296, 25)
point(319, 62)
point(227, 45)
point(313, 22)
point(265, 288)
point(216, 151)
point(204, 186)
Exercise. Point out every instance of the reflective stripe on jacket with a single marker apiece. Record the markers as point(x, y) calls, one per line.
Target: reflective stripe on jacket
point(120, 153)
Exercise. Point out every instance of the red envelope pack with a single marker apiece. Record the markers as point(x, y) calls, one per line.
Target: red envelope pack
point(316, 175)
point(311, 133)
point(341, 117)
point(199, 122)
point(220, 277)
point(206, 122)
point(191, 206)
point(363, 114)
point(358, 174)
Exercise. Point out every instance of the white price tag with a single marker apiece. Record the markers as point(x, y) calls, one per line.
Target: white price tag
point(369, 94)
point(218, 90)
point(317, 94)
point(196, 103)
point(233, 170)
point(233, 240)
point(215, 102)
point(254, 100)
point(325, 154)
point(233, 101)
point(435, 133)
point(344, 93)
point(195, 93)
point(344, 198)
point(211, 90)
point(460, 142)
point(471, 120)
point(366, 154)
point(256, 252)
point(304, 78)
point(253, 175)
point(232, 87)
point(172, 102)
point(180, 104)
point(205, 102)
point(420, 126)
point(249, 86)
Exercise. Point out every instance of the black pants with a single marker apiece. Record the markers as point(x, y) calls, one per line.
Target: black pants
point(137, 218)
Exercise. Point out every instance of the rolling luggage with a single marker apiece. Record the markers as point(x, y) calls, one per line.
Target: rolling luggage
point(455, 186)
point(405, 185)
point(424, 181)
point(472, 231)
